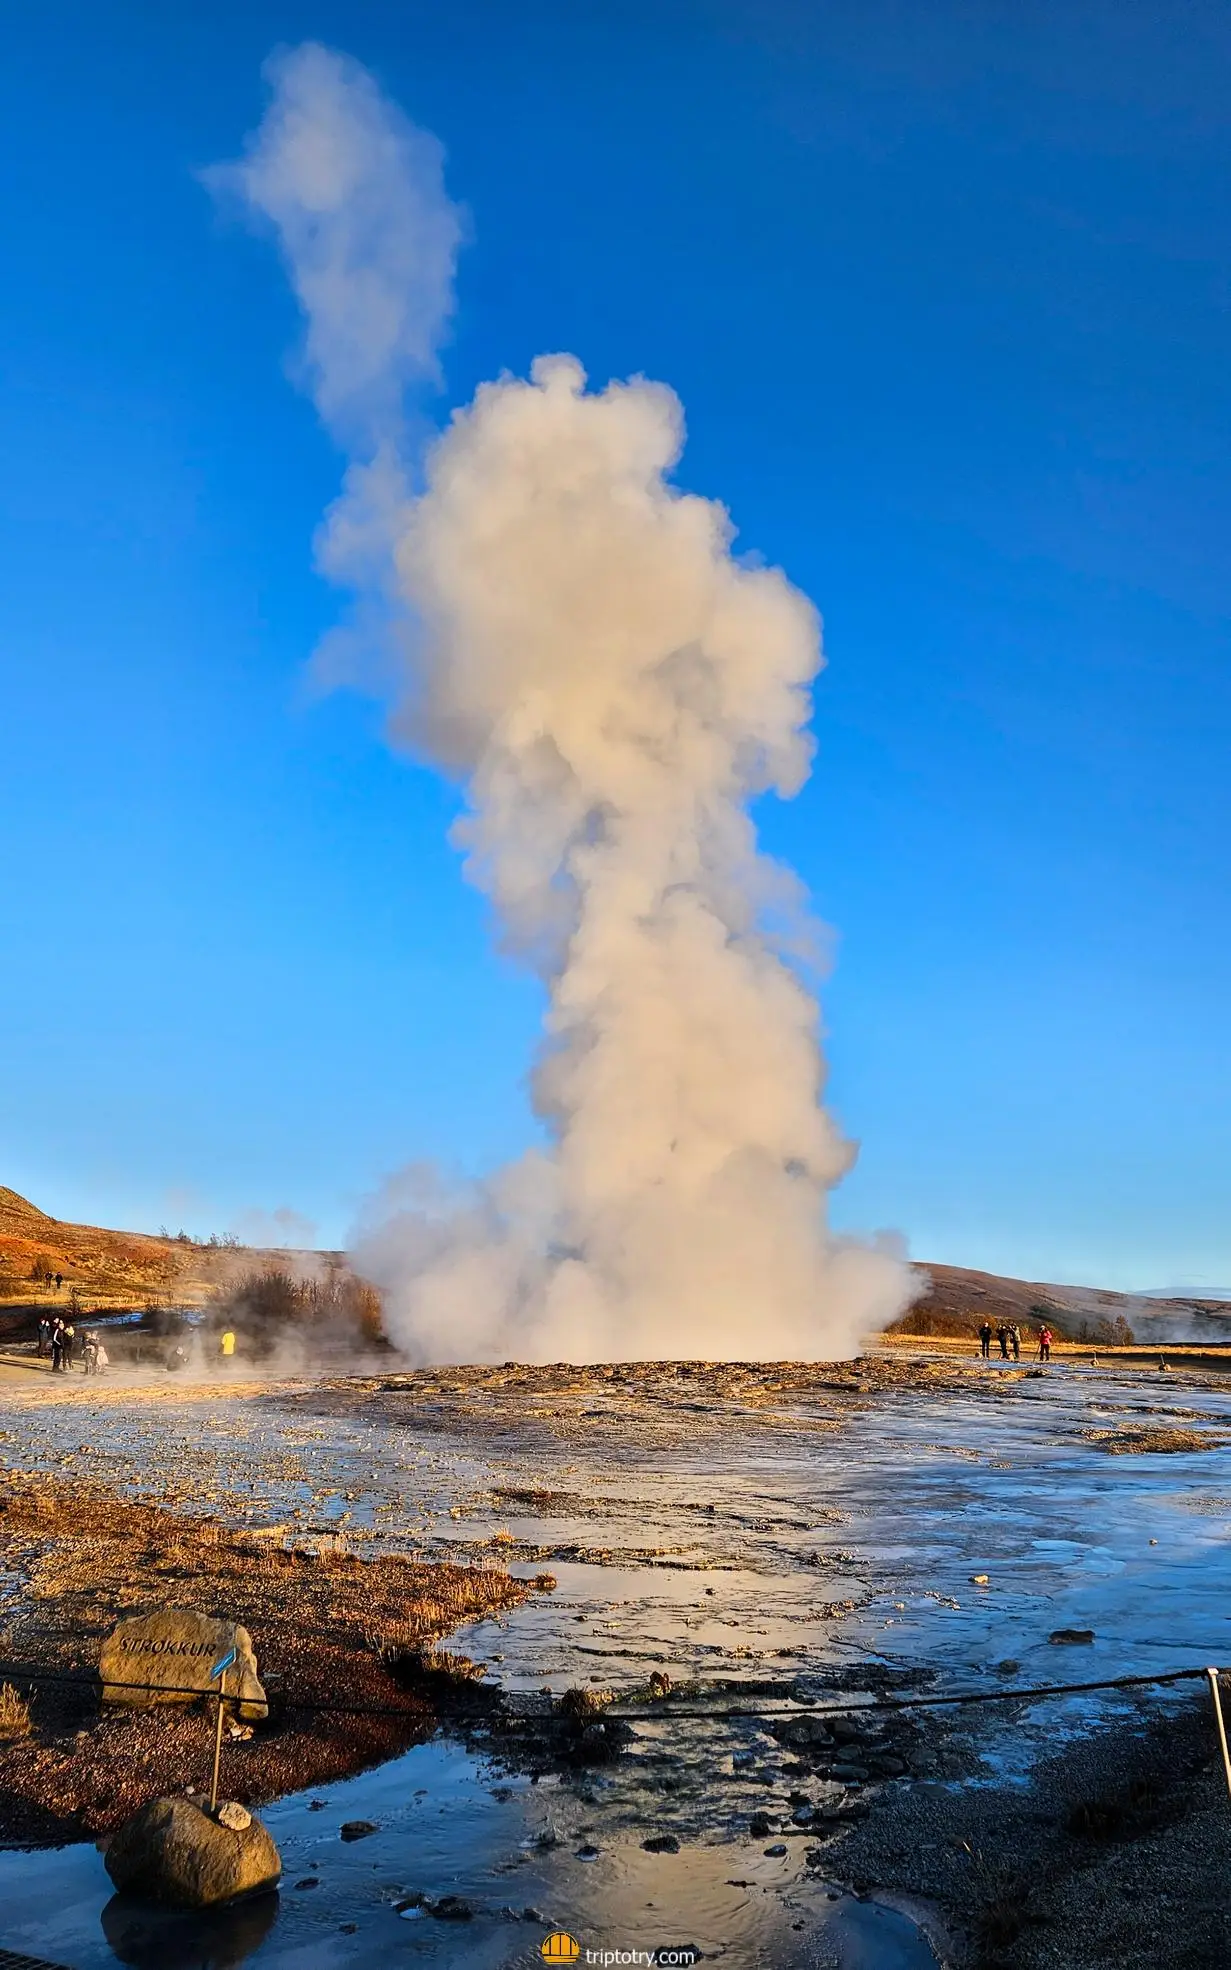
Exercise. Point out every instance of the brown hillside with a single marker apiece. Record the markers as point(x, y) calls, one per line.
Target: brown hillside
point(109, 1268)
point(135, 1269)
point(957, 1301)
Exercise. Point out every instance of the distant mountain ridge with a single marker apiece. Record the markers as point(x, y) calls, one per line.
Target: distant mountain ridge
point(964, 1297)
point(1202, 1294)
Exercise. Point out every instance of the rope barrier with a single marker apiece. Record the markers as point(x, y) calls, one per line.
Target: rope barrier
point(879, 1705)
point(663, 1706)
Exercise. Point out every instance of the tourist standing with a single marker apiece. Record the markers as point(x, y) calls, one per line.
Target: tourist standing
point(70, 1341)
point(44, 1336)
point(57, 1347)
point(1015, 1337)
point(985, 1340)
point(1002, 1335)
point(1045, 1340)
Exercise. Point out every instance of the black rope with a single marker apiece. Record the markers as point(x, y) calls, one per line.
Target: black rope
point(664, 1706)
point(97, 1684)
point(879, 1704)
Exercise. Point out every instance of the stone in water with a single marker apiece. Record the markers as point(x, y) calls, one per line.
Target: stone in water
point(172, 1851)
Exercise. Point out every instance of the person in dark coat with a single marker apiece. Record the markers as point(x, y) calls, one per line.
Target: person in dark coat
point(985, 1340)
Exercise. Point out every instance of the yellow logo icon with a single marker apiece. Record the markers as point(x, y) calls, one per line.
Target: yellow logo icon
point(560, 1948)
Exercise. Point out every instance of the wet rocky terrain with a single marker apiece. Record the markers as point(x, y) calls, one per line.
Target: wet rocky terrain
point(737, 1550)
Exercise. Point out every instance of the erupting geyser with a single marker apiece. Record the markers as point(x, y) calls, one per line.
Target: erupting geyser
point(576, 641)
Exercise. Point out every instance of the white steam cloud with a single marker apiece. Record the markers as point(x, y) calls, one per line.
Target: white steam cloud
point(614, 687)
point(356, 195)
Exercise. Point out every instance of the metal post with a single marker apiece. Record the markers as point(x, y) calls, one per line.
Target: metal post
point(222, 1684)
point(1222, 1729)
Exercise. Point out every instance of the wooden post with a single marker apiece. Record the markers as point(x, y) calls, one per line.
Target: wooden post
point(213, 1790)
point(1222, 1729)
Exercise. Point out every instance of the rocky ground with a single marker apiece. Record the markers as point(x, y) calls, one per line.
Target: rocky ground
point(1113, 1857)
point(325, 1626)
point(708, 1514)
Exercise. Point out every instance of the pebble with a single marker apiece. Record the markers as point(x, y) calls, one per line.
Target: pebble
point(661, 1843)
point(358, 1829)
point(775, 1853)
point(451, 1908)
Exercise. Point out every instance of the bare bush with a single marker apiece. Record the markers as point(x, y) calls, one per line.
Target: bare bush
point(268, 1307)
point(1106, 1333)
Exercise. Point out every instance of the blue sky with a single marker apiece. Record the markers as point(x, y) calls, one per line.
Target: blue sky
point(945, 294)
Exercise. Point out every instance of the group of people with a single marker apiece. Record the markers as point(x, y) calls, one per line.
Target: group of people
point(58, 1338)
point(1009, 1335)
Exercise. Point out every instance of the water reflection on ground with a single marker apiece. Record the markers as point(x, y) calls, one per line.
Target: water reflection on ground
point(716, 1544)
point(523, 1860)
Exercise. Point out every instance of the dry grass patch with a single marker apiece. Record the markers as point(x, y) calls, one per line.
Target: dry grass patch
point(14, 1714)
point(324, 1631)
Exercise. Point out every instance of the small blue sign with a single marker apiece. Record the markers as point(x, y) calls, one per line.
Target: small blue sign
point(223, 1664)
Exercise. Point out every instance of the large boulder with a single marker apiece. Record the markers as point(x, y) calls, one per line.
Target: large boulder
point(174, 1651)
point(175, 1851)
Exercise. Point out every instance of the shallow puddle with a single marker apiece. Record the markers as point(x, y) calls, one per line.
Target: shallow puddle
point(525, 1860)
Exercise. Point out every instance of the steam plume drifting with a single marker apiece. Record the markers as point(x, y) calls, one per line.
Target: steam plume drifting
point(614, 688)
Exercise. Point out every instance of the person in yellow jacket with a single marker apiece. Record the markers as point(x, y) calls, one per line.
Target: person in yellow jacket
point(226, 1346)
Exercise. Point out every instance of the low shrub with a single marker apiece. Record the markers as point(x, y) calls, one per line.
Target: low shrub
point(14, 1714)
